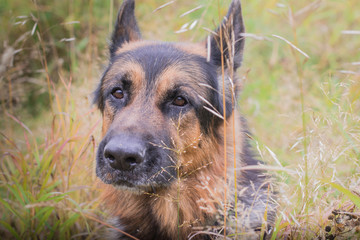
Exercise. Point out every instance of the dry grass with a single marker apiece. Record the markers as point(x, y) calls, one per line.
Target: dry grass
point(301, 90)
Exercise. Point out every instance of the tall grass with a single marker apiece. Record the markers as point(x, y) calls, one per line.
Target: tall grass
point(303, 111)
point(308, 98)
point(47, 188)
point(47, 185)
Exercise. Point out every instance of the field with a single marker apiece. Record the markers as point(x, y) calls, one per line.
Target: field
point(300, 96)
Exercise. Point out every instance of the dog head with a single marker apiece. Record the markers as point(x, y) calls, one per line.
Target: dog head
point(163, 102)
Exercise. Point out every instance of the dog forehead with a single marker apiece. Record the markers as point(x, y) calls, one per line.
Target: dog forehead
point(190, 48)
point(155, 60)
point(158, 55)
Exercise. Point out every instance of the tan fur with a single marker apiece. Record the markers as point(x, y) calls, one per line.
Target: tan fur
point(206, 155)
point(192, 48)
point(128, 46)
point(133, 69)
point(108, 117)
point(175, 74)
point(200, 160)
point(202, 185)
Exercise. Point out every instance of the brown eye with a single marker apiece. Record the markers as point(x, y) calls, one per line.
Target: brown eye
point(179, 101)
point(117, 93)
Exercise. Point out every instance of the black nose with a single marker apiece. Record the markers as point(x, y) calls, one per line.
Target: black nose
point(124, 153)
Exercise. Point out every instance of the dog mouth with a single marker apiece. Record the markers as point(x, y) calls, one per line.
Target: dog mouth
point(138, 167)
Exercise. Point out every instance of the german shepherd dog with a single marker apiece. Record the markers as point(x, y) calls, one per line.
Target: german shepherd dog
point(169, 160)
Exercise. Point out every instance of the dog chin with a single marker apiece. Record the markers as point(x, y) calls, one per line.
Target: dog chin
point(136, 189)
point(132, 189)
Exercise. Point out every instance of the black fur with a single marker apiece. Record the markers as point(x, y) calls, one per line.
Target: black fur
point(231, 29)
point(126, 27)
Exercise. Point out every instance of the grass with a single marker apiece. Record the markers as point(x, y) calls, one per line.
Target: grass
point(303, 111)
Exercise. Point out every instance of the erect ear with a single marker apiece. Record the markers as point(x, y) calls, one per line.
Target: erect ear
point(232, 46)
point(126, 27)
point(226, 47)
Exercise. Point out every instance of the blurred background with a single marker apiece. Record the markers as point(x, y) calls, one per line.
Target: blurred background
point(300, 95)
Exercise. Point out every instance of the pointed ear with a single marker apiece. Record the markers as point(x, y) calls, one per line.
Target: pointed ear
point(126, 27)
point(232, 39)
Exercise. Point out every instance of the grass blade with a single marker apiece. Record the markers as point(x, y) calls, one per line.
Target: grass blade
point(8, 227)
point(353, 197)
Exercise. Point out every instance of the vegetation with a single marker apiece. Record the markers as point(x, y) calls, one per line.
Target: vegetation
point(301, 97)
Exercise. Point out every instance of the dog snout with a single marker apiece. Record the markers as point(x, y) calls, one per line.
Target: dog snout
point(124, 153)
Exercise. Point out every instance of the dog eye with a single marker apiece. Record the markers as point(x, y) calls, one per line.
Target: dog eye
point(179, 101)
point(117, 93)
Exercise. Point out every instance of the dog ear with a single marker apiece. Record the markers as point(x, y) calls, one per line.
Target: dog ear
point(225, 46)
point(232, 46)
point(126, 27)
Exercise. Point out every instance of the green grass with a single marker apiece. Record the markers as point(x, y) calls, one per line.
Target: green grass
point(304, 113)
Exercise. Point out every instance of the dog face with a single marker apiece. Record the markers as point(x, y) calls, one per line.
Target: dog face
point(162, 103)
